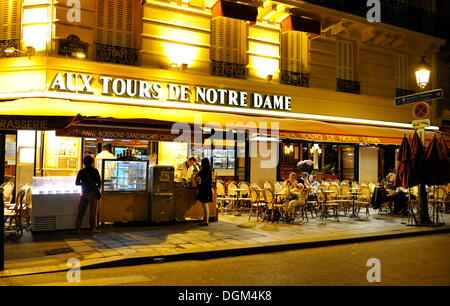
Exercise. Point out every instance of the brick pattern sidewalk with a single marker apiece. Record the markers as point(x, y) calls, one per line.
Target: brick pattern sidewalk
point(230, 232)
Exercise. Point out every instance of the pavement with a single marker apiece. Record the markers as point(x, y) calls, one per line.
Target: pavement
point(133, 244)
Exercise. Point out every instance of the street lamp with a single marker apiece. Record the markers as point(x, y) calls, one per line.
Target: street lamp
point(423, 73)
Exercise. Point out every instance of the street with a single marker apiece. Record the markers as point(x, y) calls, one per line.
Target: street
point(421, 260)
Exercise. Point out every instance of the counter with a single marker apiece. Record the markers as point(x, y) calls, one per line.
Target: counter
point(185, 206)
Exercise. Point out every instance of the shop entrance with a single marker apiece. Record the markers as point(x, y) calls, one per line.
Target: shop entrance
point(8, 144)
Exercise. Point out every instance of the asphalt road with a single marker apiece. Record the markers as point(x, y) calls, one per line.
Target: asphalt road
point(422, 260)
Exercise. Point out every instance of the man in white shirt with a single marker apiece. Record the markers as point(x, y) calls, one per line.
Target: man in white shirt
point(105, 154)
point(184, 170)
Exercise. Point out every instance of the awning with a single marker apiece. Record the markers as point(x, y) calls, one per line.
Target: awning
point(234, 10)
point(148, 118)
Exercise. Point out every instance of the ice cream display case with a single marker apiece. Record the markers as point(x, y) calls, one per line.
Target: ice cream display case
point(55, 202)
point(124, 191)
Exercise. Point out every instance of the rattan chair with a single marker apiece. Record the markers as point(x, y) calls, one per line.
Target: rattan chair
point(364, 200)
point(256, 203)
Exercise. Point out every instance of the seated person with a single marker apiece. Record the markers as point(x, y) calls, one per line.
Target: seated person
point(303, 178)
point(386, 192)
point(312, 181)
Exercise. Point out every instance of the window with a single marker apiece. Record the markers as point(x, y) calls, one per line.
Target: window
point(228, 47)
point(10, 24)
point(294, 58)
point(346, 79)
point(345, 60)
point(117, 35)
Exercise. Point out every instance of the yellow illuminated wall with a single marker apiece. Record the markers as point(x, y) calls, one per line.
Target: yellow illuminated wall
point(171, 153)
point(36, 24)
point(62, 155)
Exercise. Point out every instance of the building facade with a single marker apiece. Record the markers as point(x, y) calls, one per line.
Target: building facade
point(316, 78)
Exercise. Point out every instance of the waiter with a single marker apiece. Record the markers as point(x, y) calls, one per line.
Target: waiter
point(105, 154)
point(184, 170)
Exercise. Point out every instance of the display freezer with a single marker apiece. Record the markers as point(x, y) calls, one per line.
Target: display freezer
point(124, 191)
point(55, 203)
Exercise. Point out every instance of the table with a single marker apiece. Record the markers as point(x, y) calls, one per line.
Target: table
point(354, 195)
point(238, 191)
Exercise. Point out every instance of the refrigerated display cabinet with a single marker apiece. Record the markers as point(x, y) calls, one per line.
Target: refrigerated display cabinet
point(55, 202)
point(124, 191)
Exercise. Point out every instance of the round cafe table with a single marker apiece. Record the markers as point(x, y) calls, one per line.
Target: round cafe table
point(238, 191)
point(354, 194)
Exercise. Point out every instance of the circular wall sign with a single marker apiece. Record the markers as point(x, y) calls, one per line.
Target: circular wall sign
point(421, 110)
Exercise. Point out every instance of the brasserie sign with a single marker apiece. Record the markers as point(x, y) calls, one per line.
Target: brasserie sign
point(141, 89)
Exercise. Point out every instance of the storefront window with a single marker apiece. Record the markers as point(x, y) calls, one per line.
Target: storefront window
point(348, 163)
point(172, 153)
point(330, 159)
point(62, 155)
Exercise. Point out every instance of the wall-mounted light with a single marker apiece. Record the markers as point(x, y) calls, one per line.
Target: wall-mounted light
point(314, 148)
point(288, 149)
point(180, 67)
point(30, 51)
point(269, 77)
point(79, 54)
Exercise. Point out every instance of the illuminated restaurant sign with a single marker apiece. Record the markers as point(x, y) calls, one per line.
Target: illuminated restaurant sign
point(336, 138)
point(130, 88)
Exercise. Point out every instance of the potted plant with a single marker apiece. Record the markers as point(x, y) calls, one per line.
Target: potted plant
point(306, 166)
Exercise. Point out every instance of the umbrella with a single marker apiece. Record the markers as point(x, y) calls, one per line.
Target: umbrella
point(403, 175)
point(432, 163)
point(418, 159)
point(443, 165)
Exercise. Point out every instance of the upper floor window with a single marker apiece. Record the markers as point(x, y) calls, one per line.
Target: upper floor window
point(10, 24)
point(118, 31)
point(346, 79)
point(294, 58)
point(228, 47)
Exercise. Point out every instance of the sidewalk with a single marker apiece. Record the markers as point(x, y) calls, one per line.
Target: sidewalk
point(230, 236)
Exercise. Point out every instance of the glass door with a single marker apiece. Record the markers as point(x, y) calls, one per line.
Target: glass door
point(8, 145)
point(348, 163)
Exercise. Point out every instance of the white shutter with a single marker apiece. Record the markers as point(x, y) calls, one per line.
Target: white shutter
point(228, 40)
point(10, 18)
point(344, 60)
point(116, 22)
point(401, 71)
point(294, 51)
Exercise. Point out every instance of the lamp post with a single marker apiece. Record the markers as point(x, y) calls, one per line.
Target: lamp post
point(423, 72)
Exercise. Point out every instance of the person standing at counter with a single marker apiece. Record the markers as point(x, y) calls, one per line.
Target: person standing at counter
point(184, 170)
point(205, 196)
point(90, 182)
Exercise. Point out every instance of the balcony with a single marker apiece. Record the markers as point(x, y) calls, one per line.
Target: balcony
point(348, 86)
point(116, 54)
point(8, 44)
point(230, 70)
point(395, 13)
point(294, 78)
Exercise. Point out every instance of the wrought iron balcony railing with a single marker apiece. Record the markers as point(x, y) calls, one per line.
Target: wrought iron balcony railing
point(10, 44)
point(395, 13)
point(230, 70)
point(294, 78)
point(348, 86)
point(116, 54)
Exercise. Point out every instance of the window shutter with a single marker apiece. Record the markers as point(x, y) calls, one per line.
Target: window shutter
point(11, 12)
point(228, 40)
point(345, 60)
point(116, 23)
point(401, 71)
point(294, 52)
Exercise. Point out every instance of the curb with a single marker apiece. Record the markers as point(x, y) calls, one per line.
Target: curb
point(221, 253)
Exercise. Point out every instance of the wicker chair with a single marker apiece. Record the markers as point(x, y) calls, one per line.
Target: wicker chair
point(364, 200)
point(256, 202)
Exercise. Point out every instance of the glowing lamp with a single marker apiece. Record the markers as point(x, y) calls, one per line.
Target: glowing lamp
point(423, 72)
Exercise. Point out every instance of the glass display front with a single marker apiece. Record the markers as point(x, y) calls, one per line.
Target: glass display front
point(62, 155)
point(122, 175)
point(55, 185)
